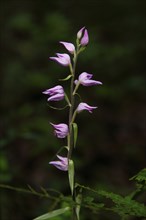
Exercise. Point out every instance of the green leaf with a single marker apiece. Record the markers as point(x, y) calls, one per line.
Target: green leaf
point(141, 176)
point(52, 214)
point(67, 78)
point(75, 132)
point(88, 199)
point(125, 206)
point(71, 175)
point(78, 206)
point(66, 147)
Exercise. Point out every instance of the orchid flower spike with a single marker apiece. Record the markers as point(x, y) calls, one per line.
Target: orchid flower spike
point(61, 130)
point(69, 46)
point(62, 58)
point(56, 93)
point(83, 36)
point(61, 164)
point(84, 106)
point(85, 80)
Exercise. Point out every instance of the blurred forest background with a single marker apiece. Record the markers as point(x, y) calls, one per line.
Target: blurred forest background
point(111, 146)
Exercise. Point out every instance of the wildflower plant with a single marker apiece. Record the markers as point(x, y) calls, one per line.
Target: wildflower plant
point(69, 129)
point(123, 206)
point(126, 206)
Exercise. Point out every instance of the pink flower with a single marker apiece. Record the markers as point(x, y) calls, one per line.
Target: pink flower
point(69, 46)
point(83, 36)
point(84, 106)
point(61, 130)
point(62, 58)
point(80, 33)
point(85, 80)
point(61, 164)
point(56, 93)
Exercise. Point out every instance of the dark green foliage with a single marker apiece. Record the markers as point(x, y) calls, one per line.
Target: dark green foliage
point(140, 177)
point(124, 206)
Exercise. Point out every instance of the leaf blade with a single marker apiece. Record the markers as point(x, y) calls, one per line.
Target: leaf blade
point(65, 79)
point(75, 132)
point(52, 214)
point(71, 175)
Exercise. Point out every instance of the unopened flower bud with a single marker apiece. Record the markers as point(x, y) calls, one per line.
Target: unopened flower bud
point(83, 36)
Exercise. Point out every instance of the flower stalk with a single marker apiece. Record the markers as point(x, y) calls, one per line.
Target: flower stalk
point(70, 138)
point(71, 109)
point(70, 130)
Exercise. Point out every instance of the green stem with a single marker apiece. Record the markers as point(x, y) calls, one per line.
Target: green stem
point(71, 118)
point(72, 100)
point(77, 86)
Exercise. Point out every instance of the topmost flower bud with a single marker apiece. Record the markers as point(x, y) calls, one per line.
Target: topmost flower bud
point(83, 36)
point(80, 33)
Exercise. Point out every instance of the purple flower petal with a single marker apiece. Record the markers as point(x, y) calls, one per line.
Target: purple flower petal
point(56, 93)
point(57, 97)
point(61, 130)
point(54, 90)
point(80, 33)
point(85, 38)
point(62, 58)
point(85, 80)
point(62, 164)
point(84, 106)
point(69, 46)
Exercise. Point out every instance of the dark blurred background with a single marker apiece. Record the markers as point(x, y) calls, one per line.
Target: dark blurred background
point(111, 143)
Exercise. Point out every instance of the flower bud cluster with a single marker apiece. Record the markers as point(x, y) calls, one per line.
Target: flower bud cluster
point(62, 130)
point(83, 37)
